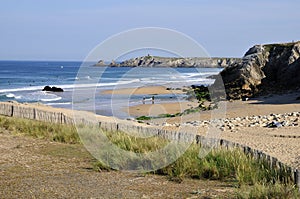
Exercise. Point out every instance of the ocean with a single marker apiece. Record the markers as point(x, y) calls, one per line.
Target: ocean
point(23, 81)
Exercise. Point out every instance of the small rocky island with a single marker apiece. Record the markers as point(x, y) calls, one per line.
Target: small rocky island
point(52, 89)
point(156, 61)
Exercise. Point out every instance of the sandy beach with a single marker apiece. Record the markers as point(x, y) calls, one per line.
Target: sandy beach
point(264, 105)
point(278, 142)
point(274, 141)
point(158, 109)
point(149, 90)
point(150, 107)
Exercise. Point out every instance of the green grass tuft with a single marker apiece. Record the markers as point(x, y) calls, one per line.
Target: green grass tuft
point(42, 130)
point(262, 191)
point(144, 118)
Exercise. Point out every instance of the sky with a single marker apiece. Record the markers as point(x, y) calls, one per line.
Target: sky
point(70, 29)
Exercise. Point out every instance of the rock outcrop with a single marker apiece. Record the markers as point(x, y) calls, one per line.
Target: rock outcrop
point(155, 61)
point(53, 89)
point(264, 69)
point(101, 63)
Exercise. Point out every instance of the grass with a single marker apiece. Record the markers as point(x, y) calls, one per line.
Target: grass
point(222, 164)
point(269, 47)
point(136, 144)
point(253, 178)
point(167, 115)
point(144, 118)
point(264, 191)
point(185, 112)
point(42, 130)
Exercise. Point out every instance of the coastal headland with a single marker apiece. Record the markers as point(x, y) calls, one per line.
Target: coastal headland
point(156, 61)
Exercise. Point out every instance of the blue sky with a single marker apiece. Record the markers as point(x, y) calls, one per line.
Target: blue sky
point(70, 29)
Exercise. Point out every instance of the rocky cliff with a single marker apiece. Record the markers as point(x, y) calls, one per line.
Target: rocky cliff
point(264, 69)
point(155, 61)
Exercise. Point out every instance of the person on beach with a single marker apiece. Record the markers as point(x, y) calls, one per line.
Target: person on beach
point(152, 99)
point(144, 99)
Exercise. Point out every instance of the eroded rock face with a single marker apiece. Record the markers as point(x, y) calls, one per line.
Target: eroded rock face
point(264, 69)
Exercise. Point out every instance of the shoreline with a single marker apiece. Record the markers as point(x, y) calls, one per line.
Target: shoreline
point(152, 100)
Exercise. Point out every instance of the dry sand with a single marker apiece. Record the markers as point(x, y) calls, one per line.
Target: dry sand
point(273, 141)
point(258, 106)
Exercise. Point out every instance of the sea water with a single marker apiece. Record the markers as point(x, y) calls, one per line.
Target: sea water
point(23, 81)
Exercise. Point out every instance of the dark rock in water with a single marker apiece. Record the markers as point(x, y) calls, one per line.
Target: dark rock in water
point(264, 69)
point(53, 89)
point(47, 88)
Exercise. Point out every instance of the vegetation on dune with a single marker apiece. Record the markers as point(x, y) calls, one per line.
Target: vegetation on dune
point(144, 118)
point(253, 178)
point(201, 93)
point(265, 191)
point(166, 115)
point(38, 129)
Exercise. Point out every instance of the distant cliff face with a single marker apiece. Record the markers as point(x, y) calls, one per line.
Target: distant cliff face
point(154, 61)
point(264, 69)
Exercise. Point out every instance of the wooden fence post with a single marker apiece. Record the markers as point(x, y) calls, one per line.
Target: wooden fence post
point(297, 178)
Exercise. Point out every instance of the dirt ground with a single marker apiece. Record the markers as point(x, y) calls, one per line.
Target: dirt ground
point(35, 168)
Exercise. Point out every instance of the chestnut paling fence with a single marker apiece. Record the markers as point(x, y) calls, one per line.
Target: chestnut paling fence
point(40, 114)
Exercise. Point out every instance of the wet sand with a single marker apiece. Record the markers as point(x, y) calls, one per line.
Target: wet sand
point(150, 90)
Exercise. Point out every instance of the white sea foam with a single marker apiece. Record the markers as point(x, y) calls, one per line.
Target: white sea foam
point(50, 99)
point(11, 95)
point(78, 84)
point(34, 93)
point(30, 88)
point(41, 96)
point(59, 103)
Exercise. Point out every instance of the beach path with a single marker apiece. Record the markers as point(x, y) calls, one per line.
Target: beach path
point(34, 168)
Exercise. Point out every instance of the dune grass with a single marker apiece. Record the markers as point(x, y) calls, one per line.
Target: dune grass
point(253, 178)
point(38, 129)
